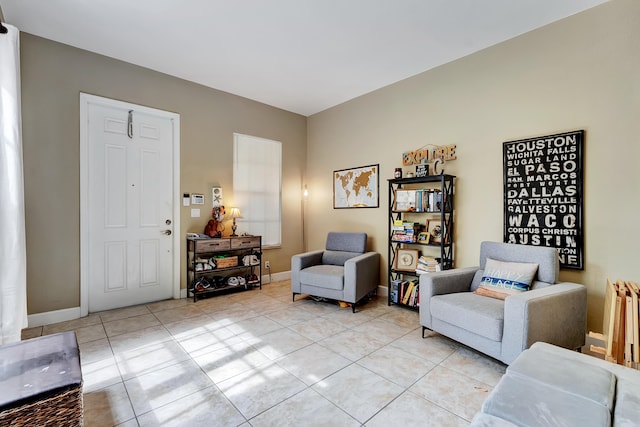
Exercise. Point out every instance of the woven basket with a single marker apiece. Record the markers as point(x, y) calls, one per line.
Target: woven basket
point(64, 409)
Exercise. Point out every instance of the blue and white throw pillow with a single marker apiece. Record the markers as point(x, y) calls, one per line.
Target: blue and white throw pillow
point(501, 279)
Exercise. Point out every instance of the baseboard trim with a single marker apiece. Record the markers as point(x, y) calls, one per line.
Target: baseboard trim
point(276, 277)
point(49, 317)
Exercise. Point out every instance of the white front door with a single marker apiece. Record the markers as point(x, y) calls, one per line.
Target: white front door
point(129, 216)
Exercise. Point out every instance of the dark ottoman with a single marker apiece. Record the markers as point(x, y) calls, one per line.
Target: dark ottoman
point(41, 382)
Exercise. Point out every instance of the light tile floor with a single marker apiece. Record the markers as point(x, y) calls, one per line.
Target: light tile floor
point(258, 359)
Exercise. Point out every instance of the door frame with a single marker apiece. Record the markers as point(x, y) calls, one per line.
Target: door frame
point(85, 101)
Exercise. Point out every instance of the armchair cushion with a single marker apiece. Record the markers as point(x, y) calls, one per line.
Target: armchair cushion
point(347, 242)
point(326, 276)
point(475, 313)
point(501, 279)
point(338, 257)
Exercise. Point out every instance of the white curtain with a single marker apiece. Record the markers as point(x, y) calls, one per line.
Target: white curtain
point(13, 257)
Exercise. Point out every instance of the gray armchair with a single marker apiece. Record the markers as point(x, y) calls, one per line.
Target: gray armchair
point(344, 271)
point(551, 312)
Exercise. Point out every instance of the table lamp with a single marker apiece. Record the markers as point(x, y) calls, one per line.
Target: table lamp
point(235, 213)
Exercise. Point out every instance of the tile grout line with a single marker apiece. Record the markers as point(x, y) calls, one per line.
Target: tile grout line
point(273, 303)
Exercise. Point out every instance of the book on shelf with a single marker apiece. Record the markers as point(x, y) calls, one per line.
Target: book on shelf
point(407, 233)
point(439, 200)
point(412, 298)
point(427, 265)
point(420, 200)
point(424, 269)
point(431, 200)
point(427, 260)
point(407, 293)
point(403, 238)
point(395, 286)
point(410, 225)
point(425, 200)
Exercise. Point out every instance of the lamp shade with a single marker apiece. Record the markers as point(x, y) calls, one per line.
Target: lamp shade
point(235, 213)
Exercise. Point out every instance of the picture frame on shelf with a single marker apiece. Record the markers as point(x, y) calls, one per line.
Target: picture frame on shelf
point(404, 201)
point(435, 228)
point(406, 259)
point(423, 237)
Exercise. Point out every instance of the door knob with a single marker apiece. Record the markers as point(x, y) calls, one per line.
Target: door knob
point(168, 222)
point(166, 232)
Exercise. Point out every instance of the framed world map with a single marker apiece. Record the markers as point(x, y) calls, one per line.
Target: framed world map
point(356, 187)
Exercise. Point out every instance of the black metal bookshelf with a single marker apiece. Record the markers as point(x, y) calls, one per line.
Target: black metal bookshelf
point(442, 209)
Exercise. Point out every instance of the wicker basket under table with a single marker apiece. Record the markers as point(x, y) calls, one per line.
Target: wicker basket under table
point(41, 382)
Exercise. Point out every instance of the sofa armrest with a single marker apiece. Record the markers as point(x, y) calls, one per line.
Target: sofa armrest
point(361, 275)
point(446, 282)
point(440, 283)
point(556, 314)
point(300, 262)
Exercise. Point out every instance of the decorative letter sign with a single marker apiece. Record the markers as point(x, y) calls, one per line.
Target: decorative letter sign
point(543, 194)
point(426, 156)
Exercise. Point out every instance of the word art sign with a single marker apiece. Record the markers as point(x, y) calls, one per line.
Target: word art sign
point(543, 194)
point(426, 156)
point(422, 170)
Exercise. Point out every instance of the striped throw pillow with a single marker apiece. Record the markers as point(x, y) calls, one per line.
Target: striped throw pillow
point(501, 279)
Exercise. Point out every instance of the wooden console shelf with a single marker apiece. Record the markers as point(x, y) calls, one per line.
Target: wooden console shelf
point(223, 265)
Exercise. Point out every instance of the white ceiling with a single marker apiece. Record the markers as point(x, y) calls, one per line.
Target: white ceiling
point(302, 56)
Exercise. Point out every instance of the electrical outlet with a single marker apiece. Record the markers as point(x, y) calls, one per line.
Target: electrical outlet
point(267, 265)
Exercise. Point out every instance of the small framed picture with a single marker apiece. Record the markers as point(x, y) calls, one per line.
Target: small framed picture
point(423, 237)
point(435, 228)
point(405, 200)
point(406, 259)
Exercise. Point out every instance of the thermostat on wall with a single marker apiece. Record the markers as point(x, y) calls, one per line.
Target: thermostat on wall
point(197, 199)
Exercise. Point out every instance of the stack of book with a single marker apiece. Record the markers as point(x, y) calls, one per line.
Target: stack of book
point(422, 201)
point(428, 200)
point(405, 232)
point(405, 293)
point(427, 265)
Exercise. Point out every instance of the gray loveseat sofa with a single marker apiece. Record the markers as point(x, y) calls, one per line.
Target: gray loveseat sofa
point(343, 271)
point(549, 386)
point(550, 312)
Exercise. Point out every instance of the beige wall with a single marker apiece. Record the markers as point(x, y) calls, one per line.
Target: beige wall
point(53, 75)
point(578, 73)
